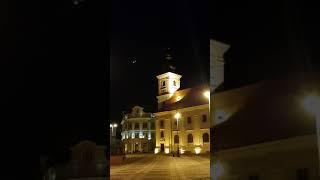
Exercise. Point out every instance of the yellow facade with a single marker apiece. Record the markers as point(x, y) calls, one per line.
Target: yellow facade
point(193, 122)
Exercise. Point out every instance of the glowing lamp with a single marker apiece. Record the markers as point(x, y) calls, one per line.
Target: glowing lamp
point(156, 150)
point(182, 151)
point(207, 94)
point(166, 150)
point(197, 150)
point(177, 115)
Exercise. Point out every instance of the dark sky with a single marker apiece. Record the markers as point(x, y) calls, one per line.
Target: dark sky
point(142, 30)
point(268, 39)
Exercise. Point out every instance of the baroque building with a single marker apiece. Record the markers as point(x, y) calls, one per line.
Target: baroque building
point(138, 131)
point(182, 120)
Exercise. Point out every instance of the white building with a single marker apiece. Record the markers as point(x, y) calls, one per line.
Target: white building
point(138, 131)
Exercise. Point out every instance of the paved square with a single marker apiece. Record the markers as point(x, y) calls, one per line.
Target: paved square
point(163, 167)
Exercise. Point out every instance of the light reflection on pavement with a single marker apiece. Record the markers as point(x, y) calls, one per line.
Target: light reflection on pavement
point(163, 167)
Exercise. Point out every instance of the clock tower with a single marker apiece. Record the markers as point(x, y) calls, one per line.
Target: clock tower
point(168, 81)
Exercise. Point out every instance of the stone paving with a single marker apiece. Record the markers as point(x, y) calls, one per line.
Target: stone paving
point(163, 167)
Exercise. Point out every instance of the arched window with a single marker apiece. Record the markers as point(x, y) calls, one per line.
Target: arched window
point(190, 138)
point(176, 139)
point(205, 137)
point(162, 134)
point(174, 83)
point(163, 83)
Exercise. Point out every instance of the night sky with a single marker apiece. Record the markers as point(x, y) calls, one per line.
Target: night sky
point(268, 39)
point(56, 71)
point(143, 34)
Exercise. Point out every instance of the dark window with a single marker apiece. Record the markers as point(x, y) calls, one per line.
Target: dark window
point(176, 122)
point(189, 120)
point(136, 135)
point(204, 118)
point(254, 177)
point(205, 137)
point(176, 139)
point(174, 83)
point(152, 125)
point(145, 125)
point(163, 83)
point(161, 123)
point(152, 135)
point(190, 138)
point(302, 174)
point(162, 134)
point(136, 125)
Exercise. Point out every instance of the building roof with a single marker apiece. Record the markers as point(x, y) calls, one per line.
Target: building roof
point(186, 98)
point(265, 112)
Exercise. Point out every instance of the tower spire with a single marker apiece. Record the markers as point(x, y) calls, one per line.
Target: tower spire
point(168, 62)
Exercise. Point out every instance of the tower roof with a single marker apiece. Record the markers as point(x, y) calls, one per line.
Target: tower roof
point(167, 64)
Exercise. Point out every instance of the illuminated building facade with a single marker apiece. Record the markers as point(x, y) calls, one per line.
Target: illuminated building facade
point(138, 131)
point(182, 121)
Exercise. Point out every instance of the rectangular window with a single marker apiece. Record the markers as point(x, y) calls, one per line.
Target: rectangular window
point(204, 118)
point(145, 125)
point(161, 124)
point(136, 135)
point(136, 125)
point(152, 135)
point(162, 134)
point(152, 125)
point(189, 120)
point(302, 174)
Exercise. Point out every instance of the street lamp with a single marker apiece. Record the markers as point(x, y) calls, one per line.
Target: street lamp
point(114, 125)
point(207, 95)
point(177, 116)
point(312, 104)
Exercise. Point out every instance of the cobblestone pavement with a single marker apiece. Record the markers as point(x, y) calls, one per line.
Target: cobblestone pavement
point(163, 167)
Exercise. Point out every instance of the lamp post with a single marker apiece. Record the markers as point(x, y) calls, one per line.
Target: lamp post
point(312, 104)
point(177, 116)
point(114, 125)
point(207, 95)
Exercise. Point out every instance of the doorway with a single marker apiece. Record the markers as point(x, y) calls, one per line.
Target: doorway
point(162, 148)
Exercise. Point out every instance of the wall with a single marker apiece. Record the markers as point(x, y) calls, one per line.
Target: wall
point(277, 160)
